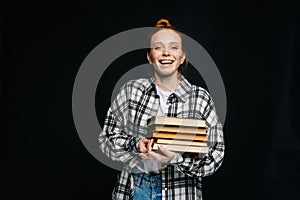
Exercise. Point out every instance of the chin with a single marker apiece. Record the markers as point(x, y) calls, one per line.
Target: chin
point(165, 73)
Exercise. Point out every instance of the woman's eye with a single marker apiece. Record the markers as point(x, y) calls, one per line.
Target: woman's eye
point(174, 48)
point(157, 47)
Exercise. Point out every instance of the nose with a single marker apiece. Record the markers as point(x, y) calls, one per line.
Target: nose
point(166, 52)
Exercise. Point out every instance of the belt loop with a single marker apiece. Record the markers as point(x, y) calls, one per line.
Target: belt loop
point(137, 178)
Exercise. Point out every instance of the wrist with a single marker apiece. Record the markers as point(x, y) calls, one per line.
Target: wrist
point(177, 158)
point(136, 147)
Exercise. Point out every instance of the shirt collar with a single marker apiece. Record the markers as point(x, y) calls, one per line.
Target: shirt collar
point(182, 91)
point(150, 85)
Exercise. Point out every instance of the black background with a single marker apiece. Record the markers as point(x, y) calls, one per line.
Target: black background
point(255, 45)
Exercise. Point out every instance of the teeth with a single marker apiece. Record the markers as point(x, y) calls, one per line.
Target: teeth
point(166, 62)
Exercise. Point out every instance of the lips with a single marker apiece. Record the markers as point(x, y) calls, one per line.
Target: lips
point(166, 61)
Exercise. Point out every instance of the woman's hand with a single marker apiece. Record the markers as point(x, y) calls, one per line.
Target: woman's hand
point(143, 145)
point(162, 155)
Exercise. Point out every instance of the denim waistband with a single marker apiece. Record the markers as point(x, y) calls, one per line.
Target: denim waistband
point(146, 178)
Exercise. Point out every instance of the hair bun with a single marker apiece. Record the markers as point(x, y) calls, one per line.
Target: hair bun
point(162, 23)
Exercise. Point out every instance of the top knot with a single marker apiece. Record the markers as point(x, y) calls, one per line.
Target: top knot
point(163, 23)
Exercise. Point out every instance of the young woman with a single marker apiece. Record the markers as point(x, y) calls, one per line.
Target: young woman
point(164, 174)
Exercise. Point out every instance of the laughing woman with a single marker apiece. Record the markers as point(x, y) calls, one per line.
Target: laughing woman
point(165, 174)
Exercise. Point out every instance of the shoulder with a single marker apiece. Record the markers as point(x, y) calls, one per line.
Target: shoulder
point(136, 84)
point(192, 91)
point(200, 92)
point(193, 88)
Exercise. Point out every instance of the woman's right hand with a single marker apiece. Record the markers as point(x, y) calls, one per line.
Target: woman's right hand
point(143, 145)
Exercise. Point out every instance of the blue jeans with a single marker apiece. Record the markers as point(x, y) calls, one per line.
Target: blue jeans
point(147, 187)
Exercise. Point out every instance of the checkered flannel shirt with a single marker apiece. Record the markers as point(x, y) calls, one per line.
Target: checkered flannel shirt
point(126, 122)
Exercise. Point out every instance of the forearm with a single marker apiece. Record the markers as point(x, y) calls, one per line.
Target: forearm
point(116, 152)
point(204, 166)
point(115, 143)
point(208, 163)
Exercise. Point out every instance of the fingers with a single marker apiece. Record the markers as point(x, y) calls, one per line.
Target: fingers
point(142, 145)
point(169, 154)
point(156, 157)
point(146, 152)
point(144, 155)
point(149, 145)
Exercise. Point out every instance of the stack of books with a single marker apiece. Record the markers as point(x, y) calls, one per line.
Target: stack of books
point(178, 134)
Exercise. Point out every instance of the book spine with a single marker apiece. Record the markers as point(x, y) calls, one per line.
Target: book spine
point(176, 121)
point(189, 149)
point(177, 129)
point(179, 136)
point(180, 142)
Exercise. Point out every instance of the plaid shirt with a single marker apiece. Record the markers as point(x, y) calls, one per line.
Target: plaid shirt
point(126, 123)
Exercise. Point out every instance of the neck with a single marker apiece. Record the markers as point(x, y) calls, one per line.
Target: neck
point(167, 83)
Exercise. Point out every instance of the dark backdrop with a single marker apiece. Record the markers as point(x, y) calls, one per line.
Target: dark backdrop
point(254, 44)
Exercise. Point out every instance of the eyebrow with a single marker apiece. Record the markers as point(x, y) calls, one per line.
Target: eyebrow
point(167, 43)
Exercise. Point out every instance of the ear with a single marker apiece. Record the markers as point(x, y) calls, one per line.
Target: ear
point(182, 58)
point(149, 58)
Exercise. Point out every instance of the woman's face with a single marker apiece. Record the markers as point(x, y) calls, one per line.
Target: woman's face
point(166, 53)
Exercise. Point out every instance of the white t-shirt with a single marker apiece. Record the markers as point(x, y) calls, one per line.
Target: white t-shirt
point(163, 96)
point(150, 165)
